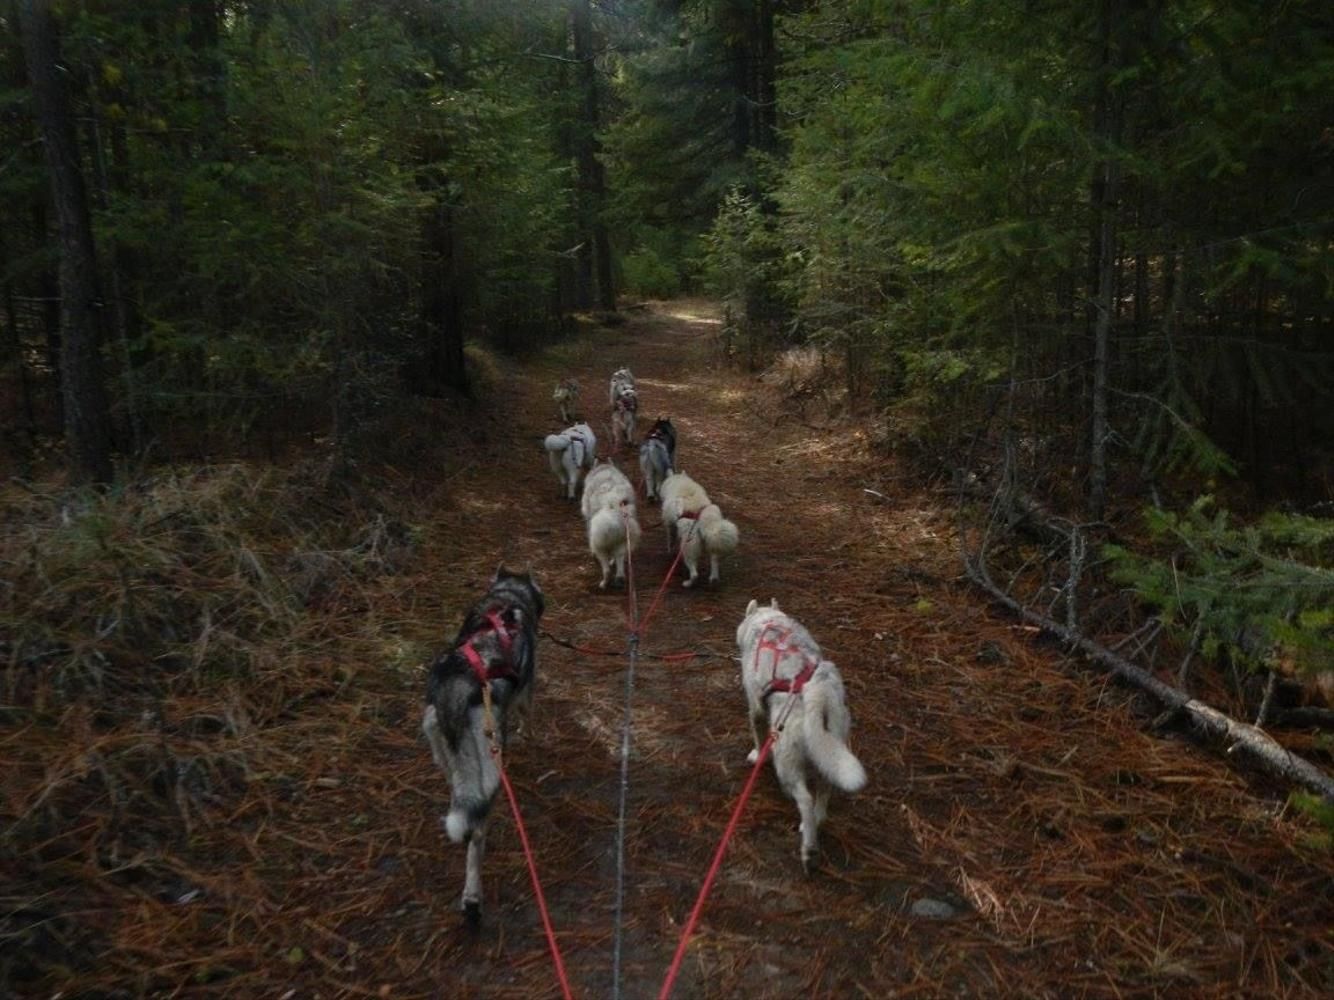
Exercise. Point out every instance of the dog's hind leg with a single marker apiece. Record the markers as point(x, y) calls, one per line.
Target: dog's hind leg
point(435, 738)
point(714, 575)
point(472, 880)
point(605, 563)
point(759, 723)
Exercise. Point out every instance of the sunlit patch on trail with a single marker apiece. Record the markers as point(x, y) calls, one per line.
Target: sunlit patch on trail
point(690, 316)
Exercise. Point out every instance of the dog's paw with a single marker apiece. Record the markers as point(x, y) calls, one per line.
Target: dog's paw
point(689, 583)
point(753, 756)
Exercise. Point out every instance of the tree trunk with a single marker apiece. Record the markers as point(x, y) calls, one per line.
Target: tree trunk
point(87, 414)
point(1107, 129)
point(766, 78)
point(442, 307)
point(595, 252)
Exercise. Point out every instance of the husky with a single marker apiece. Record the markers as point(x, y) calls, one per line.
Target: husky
point(624, 413)
point(571, 452)
point(620, 379)
point(609, 510)
point(657, 455)
point(783, 672)
point(698, 523)
point(566, 396)
point(496, 646)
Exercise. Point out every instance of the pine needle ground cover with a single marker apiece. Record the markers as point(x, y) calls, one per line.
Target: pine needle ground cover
point(212, 780)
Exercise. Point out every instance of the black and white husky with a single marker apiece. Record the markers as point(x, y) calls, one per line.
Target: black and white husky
point(657, 455)
point(571, 452)
point(496, 647)
point(781, 664)
point(609, 512)
point(624, 400)
point(697, 522)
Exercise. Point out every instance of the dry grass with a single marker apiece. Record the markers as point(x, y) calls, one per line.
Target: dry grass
point(212, 781)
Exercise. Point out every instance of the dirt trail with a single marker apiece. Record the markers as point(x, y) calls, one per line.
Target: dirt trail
point(1073, 854)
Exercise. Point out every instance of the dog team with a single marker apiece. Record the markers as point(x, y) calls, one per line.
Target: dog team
point(481, 686)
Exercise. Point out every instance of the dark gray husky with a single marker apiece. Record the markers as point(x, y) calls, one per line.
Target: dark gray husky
point(497, 647)
point(657, 455)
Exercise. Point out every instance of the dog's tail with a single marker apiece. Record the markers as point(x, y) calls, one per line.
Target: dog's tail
point(825, 724)
point(720, 534)
point(609, 529)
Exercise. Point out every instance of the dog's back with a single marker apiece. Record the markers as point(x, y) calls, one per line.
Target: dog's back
point(682, 495)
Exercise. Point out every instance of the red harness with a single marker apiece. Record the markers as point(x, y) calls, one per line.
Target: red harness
point(505, 668)
point(627, 401)
point(779, 646)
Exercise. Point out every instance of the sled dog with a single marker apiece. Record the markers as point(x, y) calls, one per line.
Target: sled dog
point(691, 518)
point(624, 413)
point(657, 455)
point(609, 511)
point(620, 379)
point(496, 647)
point(571, 452)
point(781, 664)
point(566, 396)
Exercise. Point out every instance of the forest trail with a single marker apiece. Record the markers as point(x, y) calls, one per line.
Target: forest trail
point(1052, 847)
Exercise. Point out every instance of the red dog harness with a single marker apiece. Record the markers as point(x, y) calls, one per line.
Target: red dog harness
point(505, 632)
point(778, 646)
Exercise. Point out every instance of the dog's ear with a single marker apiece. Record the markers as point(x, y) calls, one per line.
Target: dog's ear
point(750, 608)
point(500, 568)
point(773, 603)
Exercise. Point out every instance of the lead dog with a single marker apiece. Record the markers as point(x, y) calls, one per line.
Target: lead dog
point(571, 452)
point(698, 523)
point(657, 455)
point(609, 511)
point(620, 379)
point(624, 400)
point(781, 665)
point(495, 647)
point(566, 396)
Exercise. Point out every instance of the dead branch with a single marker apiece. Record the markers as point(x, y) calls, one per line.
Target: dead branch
point(1239, 735)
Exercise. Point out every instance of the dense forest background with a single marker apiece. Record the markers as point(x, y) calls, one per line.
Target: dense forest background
point(1084, 250)
point(1075, 260)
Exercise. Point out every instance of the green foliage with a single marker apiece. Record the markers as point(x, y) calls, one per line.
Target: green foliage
point(1261, 593)
point(657, 267)
point(1322, 812)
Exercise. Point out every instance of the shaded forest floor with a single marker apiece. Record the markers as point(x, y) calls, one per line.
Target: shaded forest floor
point(1022, 833)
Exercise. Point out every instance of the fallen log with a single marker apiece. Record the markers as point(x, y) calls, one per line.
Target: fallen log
point(1239, 735)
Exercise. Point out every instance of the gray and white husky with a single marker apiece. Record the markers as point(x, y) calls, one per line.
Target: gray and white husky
point(781, 663)
point(690, 516)
point(609, 511)
point(496, 647)
point(566, 396)
point(571, 452)
point(620, 379)
point(624, 399)
point(657, 455)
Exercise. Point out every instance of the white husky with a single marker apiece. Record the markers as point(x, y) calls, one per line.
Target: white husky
point(788, 682)
point(570, 452)
point(609, 510)
point(697, 522)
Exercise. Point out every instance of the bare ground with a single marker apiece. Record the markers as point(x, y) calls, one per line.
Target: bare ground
point(1078, 854)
